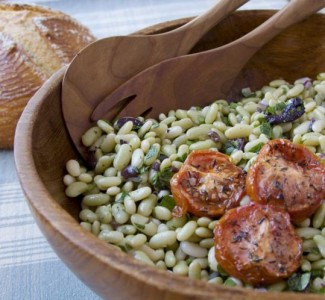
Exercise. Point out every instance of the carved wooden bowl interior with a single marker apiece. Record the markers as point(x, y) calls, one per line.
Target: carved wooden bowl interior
point(42, 147)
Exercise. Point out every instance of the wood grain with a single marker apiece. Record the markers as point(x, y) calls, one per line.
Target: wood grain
point(103, 66)
point(199, 78)
point(42, 146)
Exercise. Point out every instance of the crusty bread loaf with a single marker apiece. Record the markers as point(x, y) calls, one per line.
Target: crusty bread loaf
point(34, 43)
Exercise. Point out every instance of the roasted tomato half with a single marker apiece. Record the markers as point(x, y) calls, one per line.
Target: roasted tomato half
point(208, 184)
point(257, 244)
point(288, 176)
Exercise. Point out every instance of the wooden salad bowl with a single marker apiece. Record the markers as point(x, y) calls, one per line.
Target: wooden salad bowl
point(42, 147)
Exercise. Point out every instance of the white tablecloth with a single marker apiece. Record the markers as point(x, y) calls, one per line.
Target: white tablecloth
point(29, 269)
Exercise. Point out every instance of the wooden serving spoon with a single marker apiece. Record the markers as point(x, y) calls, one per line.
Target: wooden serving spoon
point(107, 63)
point(185, 81)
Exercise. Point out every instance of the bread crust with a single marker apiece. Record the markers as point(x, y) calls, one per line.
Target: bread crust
point(34, 43)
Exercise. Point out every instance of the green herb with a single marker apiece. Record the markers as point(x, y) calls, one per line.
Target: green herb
point(181, 158)
point(143, 169)
point(139, 226)
point(231, 145)
point(152, 152)
point(299, 282)
point(221, 271)
point(226, 120)
point(233, 105)
point(294, 109)
point(246, 92)
point(155, 125)
point(189, 142)
point(317, 273)
point(256, 148)
point(201, 120)
point(125, 248)
point(266, 129)
point(277, 108)
point(122, 197)
point(161, 179)
point(168, 202)
point(229, 282)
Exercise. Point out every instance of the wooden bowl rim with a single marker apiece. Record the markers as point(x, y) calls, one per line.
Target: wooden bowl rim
point(40, 201)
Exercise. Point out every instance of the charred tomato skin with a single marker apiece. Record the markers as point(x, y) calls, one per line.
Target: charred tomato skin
point(288, 176)
point(257, 244)
point(207, 184)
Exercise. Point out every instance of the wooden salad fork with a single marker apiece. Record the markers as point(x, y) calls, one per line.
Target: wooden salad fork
point(200, 78)
point(107, 63)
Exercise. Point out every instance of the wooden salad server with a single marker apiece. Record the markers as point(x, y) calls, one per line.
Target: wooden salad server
point(200, 78)
point(107, 63)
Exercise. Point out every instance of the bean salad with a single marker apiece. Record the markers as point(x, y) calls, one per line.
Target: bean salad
point(126, 198)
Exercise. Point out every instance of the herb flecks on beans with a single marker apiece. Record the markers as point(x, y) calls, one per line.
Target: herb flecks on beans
point(126, 198)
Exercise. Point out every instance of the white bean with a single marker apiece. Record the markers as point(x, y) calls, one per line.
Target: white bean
point(238, 131)
point(320, 242)
point(186, 231)
point(193, 249)
point(140, 193)
point(76, 188)
point(162, 239)
point(73, 167)
point(123, 157)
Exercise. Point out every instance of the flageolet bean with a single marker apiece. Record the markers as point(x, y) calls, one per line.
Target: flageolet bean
point(76, 188)
point(104, 126)
point(119, 213)
point(95, 228)
point(130, 206)
point(186, 231)
point(307, 233)
point(91, 135)
point(170, 259)
point(147, 205)
point(193, 249)
point(104, 214)
point(161, 265)
point(204, 221)
point(141, 256)
point(194, 270)
point(85, 177)
point(162, 227)
point(140, 193)
point(207, 243)
point(87, 215)
point(73, 167)
point(123, 157)
point(203, 232)
point(104, 183)
point(162, 239)
point(238, 131)
point(181, 268)
point(127, 229)
point(108, 143)
point(138, 240)
point(153, 254)
point(162, 213)
point(319, 216)
point(86, 225)
point(96, 199)
point(103, 163)
point(213, 264)
point(68, 179)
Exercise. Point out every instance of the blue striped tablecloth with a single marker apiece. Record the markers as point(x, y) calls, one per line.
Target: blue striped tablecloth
point(29, 269)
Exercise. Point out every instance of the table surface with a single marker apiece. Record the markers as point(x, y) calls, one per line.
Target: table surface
point(29, 269)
